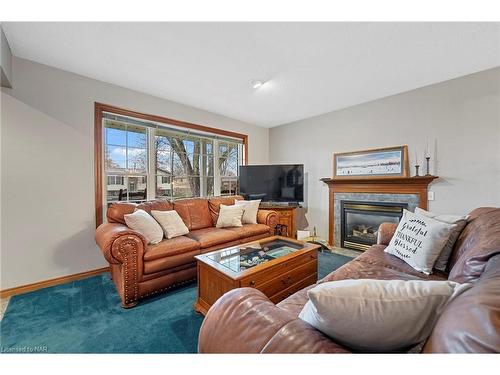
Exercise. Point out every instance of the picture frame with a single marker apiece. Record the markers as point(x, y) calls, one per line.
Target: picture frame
point(384, 162)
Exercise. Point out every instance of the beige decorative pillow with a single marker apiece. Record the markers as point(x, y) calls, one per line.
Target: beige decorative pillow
point(378, 315)
point(171, 222)
point(250, 209)
point(419, 240)
point(229, 216)
point(460, 221)
point(143, 223)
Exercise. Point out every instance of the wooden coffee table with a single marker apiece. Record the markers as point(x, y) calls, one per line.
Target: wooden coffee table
point(277, 266)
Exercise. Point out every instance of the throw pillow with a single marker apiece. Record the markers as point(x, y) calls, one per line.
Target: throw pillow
point(142, 222)
point(229, 216)
point(250, 209)
point(419, 240)
point(378, 315)
point(460, 221)
point(171, 223)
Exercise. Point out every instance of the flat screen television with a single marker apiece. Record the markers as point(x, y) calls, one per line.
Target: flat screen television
point(273, 183)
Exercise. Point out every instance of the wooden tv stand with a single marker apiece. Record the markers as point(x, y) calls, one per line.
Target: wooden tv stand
point(286, 216)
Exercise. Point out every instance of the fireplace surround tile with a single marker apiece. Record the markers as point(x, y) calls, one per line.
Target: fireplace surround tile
point(411, 199)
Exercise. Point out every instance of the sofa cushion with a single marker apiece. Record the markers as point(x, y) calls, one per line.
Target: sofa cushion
point(478, 242)
point(460, 221)
point(372, 264)
point(174, 246)
point(250, 209)
point(169, 262)
point(419, 240)
point(156, 205)
point(378, 315)
point(143, 223)
point(212, 236)
point(249, 230)
point(194, 213)
point(214, 205)
point(230, 216)
point(171, 223)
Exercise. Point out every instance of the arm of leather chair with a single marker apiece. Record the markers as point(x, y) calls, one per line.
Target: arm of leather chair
point(385, 233)
point(267, 217)
point(244, 320)
point(115, 240)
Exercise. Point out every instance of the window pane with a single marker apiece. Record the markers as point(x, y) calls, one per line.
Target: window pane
point(193, 165)
point(223, 149)
point(180, 164)
point(115, 158)
point(163, 162)
point(116, 137)
point(163, 186)
point(186, 187)
point(210, 186)
point(115, 188)
point(209, 147)
point(162, 143)
point(190, 144)
point(228, 186)
point(233, 151)
point(136, 188)
point(137, 137)
point(209, 166)
point(137, 159)
point(229, 167)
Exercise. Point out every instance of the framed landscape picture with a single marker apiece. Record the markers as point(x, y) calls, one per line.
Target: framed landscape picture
point(377, 163)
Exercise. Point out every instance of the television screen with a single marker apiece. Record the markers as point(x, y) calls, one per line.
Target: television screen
point(276, 183)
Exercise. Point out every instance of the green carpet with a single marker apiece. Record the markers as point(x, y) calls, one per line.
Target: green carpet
point(85, 317)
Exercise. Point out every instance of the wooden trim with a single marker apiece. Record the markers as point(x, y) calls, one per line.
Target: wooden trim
point(51, 282)
point(405, 173)
point(99, 108)
point(98, 167)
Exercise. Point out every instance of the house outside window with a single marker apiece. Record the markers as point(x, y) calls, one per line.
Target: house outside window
point(148, 160)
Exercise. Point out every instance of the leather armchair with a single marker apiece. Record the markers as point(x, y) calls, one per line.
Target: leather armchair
point(245, 321)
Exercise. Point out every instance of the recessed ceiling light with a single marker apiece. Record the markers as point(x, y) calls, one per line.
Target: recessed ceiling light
point(256, 83)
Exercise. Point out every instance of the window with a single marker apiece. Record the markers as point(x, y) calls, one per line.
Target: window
point(143, 159)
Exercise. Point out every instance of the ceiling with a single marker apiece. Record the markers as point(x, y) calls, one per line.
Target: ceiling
point(310, 68)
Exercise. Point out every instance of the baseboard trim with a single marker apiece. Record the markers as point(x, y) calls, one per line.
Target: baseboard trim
point(51, 282)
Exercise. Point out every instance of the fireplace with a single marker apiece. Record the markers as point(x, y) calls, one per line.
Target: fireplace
point(360, 221)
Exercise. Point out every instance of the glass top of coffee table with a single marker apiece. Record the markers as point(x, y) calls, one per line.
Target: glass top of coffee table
point(243, 257)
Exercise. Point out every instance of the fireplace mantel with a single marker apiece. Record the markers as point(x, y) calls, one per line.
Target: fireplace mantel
point(390, 185)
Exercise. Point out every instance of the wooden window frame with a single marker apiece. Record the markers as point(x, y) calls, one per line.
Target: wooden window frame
point(100, 108)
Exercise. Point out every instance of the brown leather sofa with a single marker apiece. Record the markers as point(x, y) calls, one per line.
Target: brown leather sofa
point(139, 270)
point(245, 321)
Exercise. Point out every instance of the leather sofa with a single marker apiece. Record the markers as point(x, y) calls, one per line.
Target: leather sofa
point(245, 321)
point(140, 270)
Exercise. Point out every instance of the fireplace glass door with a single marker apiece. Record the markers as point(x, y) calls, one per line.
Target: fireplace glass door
point(361, 220)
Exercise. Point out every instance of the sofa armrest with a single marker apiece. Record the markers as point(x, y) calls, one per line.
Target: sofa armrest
point(385, 233)
point(115, 240)
point(244, 320)
point(267, 217)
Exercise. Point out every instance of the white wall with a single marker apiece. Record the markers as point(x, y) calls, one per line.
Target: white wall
point(47, 155)
point(461, 116)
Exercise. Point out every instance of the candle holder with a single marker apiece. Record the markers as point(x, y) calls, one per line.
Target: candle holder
point(416, 170)
point(427, 159)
